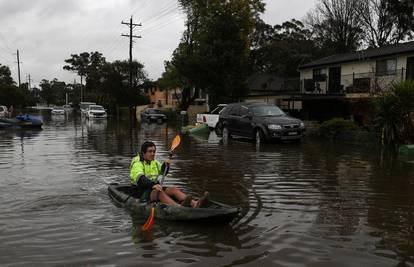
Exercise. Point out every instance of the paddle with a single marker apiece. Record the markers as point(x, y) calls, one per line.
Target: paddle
point(150, 221)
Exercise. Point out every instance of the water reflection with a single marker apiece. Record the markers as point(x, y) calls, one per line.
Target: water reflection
point(302, 204)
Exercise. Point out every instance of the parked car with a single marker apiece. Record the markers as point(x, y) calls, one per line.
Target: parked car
point(84, 107)
point(3, 111)
point(58, 111)
point(153, 115)
point(211, 118)
point(95, 112)
point(259, 121)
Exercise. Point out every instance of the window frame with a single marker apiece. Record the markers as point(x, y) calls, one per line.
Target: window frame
point(385, 71)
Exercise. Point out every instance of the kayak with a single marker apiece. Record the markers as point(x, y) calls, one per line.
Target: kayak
point(212, 212)
point(22, 121)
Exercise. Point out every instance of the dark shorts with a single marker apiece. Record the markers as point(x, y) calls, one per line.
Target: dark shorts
point(143, 195)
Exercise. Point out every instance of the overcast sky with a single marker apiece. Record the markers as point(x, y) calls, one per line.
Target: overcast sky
point(46, 32)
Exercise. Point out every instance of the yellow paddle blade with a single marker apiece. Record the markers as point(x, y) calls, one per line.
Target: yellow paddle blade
point(176, 142)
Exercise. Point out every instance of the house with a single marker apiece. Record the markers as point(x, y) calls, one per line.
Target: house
point(271, 88)
point(362, 72)
point(171, 98)
point(338, 85)
point(163, 98)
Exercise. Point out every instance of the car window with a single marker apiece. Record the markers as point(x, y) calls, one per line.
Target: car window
point(235, 111)
point(217, 110)
point(1, 109)
point(267, 111)
point(244, 111)
point(154, 111)
point(226, 110)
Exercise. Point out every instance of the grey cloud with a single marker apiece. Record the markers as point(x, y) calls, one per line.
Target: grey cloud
point(51, 30)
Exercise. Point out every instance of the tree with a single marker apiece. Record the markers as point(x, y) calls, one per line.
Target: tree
point(10, 94)
point(108, 84)
point(386, 21)
point(5, 76)
point(214, 52)
point(336, 25)
point(280, 49)
point(53, 92)
point(84, 63)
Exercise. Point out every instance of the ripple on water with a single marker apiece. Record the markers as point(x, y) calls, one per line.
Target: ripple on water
point(302, 204)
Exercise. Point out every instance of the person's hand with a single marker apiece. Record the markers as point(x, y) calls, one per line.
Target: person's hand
point(157, 187)
point(167, 162)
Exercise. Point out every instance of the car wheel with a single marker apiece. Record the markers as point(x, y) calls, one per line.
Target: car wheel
point(159, 120)
point(218, 129)
point(226, 133)
point(259, 137)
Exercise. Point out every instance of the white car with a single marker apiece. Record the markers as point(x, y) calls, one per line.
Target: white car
point(58, 111)
point(211, 118)
point(84, 107)
point(3, 111)
point(96, 112)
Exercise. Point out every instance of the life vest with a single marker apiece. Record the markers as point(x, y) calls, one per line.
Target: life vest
point(140, 167)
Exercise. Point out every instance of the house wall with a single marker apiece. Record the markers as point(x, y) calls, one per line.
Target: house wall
point(279, 100)
point(360, 69)
point(306, 74)
point(165, 97)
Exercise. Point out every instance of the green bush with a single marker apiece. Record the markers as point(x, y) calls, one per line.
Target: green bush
point(335, 127)
point(393, 116)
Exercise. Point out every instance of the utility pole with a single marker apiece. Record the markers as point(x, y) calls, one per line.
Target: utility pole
point(18, 66)
point(131, 36)
point(30, 87)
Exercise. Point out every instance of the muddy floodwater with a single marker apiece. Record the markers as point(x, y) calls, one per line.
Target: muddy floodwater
point(307, 204)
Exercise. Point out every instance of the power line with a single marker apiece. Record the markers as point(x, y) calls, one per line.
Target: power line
point(161, 15)
point(162, 25)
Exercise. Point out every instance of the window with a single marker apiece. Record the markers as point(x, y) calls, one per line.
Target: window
point(319, 75)
point(244, 111)
point(235, 111)
point(217, 110)
point(386, 67)
point(320, 71)
point(267, 111)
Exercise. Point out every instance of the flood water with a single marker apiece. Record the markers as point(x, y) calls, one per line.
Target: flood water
point(308, 204)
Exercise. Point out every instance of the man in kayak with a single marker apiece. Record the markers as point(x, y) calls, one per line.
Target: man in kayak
point(145, 170)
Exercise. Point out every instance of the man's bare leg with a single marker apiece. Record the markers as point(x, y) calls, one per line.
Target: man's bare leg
point(179, 195)
point(163, 197)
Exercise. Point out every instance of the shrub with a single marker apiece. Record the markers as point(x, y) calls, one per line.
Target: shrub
point(393, 116)
point(332, 128)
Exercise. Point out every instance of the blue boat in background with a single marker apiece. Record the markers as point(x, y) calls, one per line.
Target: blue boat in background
point(21, 121)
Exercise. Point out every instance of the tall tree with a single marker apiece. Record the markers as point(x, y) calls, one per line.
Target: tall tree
point(280, 49)
point(115, 85)
point(336, 25)
point(83, 63)
point(386, 21)
point(214, 51)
